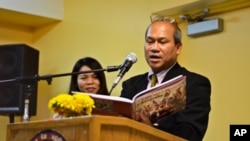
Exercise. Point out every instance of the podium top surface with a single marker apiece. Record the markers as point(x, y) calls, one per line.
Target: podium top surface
point(94, 124)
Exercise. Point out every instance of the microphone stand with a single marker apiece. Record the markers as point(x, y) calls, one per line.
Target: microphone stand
point(49, 78)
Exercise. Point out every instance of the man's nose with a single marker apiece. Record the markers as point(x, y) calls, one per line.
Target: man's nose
point(155, 46)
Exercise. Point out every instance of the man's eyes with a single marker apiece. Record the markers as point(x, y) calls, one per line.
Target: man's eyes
point(159, 41)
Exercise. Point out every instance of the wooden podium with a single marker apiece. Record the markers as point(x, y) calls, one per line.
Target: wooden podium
point(87, 128)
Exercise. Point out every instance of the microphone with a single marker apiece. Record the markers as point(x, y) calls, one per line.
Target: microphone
point(130, 59)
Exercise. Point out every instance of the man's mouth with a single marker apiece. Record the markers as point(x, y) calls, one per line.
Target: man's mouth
point(154, 58)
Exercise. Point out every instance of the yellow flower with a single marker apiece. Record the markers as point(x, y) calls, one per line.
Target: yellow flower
point(72, 105)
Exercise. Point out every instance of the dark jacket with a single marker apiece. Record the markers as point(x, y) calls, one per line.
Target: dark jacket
point(190, 123)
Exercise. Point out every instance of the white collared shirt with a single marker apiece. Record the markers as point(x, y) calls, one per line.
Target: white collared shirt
point(160, 76)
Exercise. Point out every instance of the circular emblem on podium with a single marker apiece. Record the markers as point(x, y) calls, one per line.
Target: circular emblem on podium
point(48, 135)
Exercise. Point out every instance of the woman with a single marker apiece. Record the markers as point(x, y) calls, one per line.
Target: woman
point(91, 82)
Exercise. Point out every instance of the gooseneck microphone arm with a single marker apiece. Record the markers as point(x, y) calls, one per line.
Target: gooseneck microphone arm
point(49, 77)
point(130, 59)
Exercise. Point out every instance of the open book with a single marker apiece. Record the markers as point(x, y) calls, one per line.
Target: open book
point(159, 101)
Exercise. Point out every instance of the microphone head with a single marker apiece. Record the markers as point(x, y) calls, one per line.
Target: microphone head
point(131, 57)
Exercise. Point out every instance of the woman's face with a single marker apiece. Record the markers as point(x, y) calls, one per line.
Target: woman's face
point(88, 82)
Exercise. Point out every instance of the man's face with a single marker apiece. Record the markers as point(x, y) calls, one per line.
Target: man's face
point(160, 49)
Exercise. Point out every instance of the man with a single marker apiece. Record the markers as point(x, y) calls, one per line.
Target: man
point(162, 47)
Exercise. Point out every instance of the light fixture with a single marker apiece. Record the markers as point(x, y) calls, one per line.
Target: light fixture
point(198, 25)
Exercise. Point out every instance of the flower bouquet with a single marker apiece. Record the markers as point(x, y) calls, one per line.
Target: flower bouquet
point(67, 105)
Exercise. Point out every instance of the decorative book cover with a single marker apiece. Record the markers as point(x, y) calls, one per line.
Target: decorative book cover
point(159, 101)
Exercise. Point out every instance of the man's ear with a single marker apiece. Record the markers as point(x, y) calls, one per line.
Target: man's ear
point(179, 47)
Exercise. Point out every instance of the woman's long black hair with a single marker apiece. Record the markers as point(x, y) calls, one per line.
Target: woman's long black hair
point(93, 64)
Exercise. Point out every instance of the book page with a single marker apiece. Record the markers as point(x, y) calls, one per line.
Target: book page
point(106, 97)
point(111, 105)
point(162, 100)
point(169, 82)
